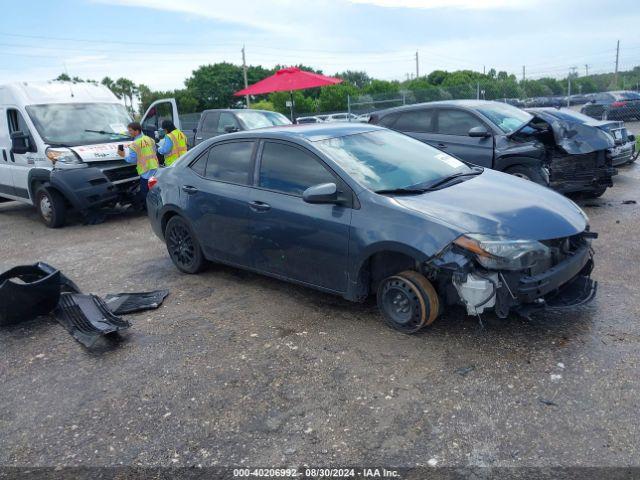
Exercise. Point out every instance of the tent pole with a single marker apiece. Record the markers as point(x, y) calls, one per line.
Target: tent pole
point(291, 98)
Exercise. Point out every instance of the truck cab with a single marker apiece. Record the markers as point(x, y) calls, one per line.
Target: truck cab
point(58, 148)
point(201, 126)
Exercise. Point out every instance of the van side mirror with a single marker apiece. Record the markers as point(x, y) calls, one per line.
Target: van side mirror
point(20, 142)
point(230, 129)
point(479, 131)
point(631, 138)
point(322, 193)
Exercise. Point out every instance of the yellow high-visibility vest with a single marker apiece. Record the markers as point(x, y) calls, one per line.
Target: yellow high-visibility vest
point(178, 147)
point(145, 153)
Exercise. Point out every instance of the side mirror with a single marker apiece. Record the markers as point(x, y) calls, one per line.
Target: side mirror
point(481, 132)
point(323, 193)
point(19, 142)
point(631, 138)
point(195, 130)
point(230, 129)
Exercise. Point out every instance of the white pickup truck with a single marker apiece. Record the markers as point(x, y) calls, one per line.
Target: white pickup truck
point(58, 148)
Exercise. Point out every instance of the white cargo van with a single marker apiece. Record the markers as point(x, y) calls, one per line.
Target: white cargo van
point(58, 148)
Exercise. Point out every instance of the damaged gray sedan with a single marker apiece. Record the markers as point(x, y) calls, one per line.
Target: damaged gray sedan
point(358, 210)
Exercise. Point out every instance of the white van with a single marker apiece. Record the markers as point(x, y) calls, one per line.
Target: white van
point(58, 143)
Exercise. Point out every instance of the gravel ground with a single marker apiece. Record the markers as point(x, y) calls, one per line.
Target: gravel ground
point(239, 369)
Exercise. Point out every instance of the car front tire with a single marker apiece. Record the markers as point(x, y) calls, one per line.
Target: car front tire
point(526, 172)
point(408, 301)
point(183, 246)
point(51, 207)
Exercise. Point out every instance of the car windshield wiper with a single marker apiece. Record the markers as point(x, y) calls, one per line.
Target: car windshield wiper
point(441, 181)
point(102, 132)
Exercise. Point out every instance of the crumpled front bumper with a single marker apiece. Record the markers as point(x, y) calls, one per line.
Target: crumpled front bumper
point(565, 285)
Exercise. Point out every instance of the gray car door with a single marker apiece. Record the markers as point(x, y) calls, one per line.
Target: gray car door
point(291, 238)
point(452, 136)
point(215, 193)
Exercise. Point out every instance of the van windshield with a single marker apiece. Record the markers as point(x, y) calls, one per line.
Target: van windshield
point(66, 123)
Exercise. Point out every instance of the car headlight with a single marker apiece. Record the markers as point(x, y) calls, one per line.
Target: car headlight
point(501, 253)
point(62, 156)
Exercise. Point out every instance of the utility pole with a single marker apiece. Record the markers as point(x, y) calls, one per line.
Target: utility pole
point(523, 73)
point(586, 70)
point(484, 70)
point(244, 72)
point(617, 58)
point(417, 65)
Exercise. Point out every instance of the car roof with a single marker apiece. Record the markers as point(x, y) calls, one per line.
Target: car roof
point(312, 132)
point(468, 104)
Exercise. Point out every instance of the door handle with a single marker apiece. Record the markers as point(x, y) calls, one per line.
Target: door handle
point(442, 145)
point(189, 189)
point(198, 138)
point(258, 206)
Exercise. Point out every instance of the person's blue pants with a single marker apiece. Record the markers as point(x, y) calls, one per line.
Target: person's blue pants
point(142, 192)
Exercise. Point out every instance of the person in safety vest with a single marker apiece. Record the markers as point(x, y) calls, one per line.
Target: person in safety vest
point(174, 144)
point(142, 152)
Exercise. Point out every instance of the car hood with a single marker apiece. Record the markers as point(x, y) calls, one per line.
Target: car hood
point(100, 152)
point(496, 203)
point(574, 137)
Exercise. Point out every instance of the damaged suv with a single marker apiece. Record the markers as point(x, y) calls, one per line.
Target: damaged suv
point(355, 210)
point(550, 152)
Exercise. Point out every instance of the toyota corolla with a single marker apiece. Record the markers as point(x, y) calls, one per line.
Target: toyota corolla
point(359, 210)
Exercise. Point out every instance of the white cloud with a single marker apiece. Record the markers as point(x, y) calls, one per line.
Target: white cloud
point(460, 4)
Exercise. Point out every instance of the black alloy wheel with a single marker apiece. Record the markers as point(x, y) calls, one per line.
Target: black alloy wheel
point(183, 246)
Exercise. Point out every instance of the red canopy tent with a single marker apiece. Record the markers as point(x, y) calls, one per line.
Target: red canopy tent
point(288, 79)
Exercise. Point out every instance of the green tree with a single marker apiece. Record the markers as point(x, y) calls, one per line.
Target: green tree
point(334, 97)
point(437, 77)
point(302, 103)
point(63, 77)
point(357, 78)
point(264, 105)
point(213, 86)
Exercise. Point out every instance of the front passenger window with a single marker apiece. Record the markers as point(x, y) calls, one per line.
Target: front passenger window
point(456, 122)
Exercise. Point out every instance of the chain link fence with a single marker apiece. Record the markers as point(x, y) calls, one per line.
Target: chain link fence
point(614, 105)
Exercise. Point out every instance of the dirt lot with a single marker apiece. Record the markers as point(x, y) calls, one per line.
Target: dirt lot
point(239, 369)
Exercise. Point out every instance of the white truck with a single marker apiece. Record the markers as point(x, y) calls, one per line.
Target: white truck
point(58, 148)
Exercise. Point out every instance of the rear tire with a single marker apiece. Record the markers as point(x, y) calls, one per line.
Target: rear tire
point(408, 301)
point(51, 207)
point(183, 246)
point(533, 174)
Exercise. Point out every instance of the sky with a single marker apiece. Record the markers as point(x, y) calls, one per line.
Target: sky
point(160, 42)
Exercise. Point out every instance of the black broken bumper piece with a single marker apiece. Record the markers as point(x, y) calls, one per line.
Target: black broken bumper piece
point(122, 303)
point(28, 291)
point(87, 317)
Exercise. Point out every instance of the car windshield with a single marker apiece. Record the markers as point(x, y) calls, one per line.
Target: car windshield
point(67, 123)
point(506, 117)
point(262, 119)
point(386, 160)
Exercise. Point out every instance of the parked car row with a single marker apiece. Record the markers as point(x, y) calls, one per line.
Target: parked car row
point(335, 117)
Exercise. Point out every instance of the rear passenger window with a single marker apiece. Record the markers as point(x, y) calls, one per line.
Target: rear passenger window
point(230, 162)
point(415, 121)
point(389, 120)
point(290, 170)
point(456, 122)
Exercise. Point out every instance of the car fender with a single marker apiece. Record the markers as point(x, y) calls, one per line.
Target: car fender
point(505, 162)
point(37, 176)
